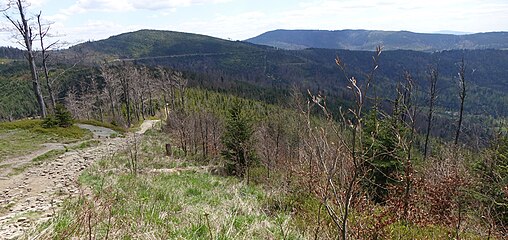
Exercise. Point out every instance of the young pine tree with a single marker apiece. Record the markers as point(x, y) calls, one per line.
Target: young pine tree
point(237, 141)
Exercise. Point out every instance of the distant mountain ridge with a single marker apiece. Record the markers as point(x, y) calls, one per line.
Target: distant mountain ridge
point(369, 39)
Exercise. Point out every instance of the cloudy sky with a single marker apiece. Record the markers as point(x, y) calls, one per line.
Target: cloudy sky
point(76, 21)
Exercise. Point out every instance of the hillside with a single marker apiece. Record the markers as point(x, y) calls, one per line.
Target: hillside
point(390, 40)
point(154, 43)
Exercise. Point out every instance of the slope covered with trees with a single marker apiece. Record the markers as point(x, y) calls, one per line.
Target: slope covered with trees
point(369, 39)
point(153, 43)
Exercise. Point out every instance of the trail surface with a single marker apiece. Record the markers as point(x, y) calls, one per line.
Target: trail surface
point(36, 194)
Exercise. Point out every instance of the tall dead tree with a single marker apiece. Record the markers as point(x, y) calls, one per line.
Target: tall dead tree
point(110, 87)
point(409, 109)
point(125, 81)
point(433, 76)
point(43, 33)
point(342, 164)
point(462, 96)
point(25, 30)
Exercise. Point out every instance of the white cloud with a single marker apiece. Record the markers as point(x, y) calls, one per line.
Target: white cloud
point(171, 4)
point(127, 5)
point(82, 6)
point(96, 30)
point(245, 19)
point(36, 3)
point(236, 27)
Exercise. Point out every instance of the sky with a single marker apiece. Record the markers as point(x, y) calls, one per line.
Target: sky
point(75, 21)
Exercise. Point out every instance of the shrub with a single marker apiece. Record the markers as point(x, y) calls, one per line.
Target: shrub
point(493, 181)
point(63, 116)
point(384, 153)
point(50, 122)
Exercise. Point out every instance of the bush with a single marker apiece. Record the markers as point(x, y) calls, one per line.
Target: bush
point(50, 122)
point(63, 116)
point(384, 153)
point(492, 189)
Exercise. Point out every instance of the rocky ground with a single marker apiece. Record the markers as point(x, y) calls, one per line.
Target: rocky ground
point(34, 196)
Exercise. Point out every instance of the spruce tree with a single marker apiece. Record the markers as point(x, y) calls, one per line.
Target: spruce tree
point(237, 140)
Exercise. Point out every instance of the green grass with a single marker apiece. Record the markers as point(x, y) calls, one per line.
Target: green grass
point(188, 205)
point(181, 205)
point(401, 231)
point(53, 154)
point(70, 134)
point(24, 136)
point(86, 144)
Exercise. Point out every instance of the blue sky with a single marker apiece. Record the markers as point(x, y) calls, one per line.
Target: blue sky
point(82, 20)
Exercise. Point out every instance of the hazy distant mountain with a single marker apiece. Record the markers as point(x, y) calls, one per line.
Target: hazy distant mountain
point(390, 40)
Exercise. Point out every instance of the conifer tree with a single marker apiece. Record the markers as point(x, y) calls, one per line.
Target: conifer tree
point(237, 140)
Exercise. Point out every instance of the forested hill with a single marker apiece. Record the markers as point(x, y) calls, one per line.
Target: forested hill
point(154, 43)
point(390, 40)
point(11, 53)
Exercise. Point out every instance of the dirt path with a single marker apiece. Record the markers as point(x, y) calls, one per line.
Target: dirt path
point(36, 194)
point(9, 165)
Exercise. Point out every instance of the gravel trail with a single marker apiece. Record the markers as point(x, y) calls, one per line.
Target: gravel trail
point(36, 194)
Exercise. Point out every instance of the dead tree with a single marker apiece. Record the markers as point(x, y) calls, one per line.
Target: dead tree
point(462, 96)
point(110, 87)
point(25, 30)
point(409, 113)
point(43, 33)
point(343, 163)
point(433, 77)
point(125, 82)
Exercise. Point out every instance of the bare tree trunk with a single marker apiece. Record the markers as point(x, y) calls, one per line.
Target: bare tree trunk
point(411, 111)
point(125, 84)
point(142, 107)
point(99, 103)
point(433, 76)
point(42, 35)
point(150, 102)
point(462, 96)
point(26, 32)
point(112, 103)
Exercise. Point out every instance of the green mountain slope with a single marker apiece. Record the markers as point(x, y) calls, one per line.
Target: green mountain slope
point(390, 40)
point(152, 43)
